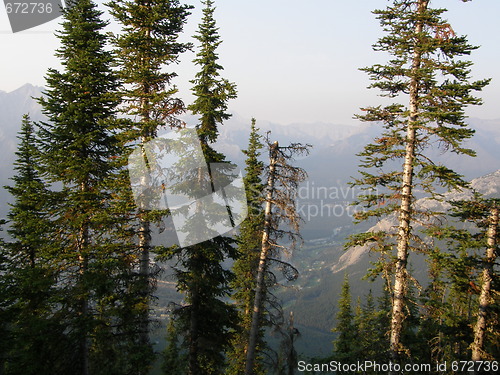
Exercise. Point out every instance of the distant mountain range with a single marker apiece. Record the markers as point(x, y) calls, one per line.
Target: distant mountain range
point(330, 165)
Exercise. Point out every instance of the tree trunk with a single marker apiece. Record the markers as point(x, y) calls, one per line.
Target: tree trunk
point(291, 357)
point(194, 332)
point(144, 246)
point(405, 218)
point(144, 234)
point(485, 296)
point(259, 287)
point(83, 242)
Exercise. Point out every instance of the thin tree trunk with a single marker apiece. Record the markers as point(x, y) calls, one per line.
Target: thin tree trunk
point(404, 231)
point(485, 296)
point(144, 234)
point(193, 364)
point(194, 332)
point(144, 246)
point(259, 287)
point(291, 360)
point(84, 303)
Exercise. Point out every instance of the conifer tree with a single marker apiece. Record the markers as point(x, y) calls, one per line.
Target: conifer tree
point(148, 43)
point(78, 147)
point(344, 344)
point(36, 340)
point(206, 320)
point(370, 339)
point(425, 71)
point(487, 296)
point(447, 302)
point(249, 243)
point(174, 358)
point(382, 325)
point(483, 237)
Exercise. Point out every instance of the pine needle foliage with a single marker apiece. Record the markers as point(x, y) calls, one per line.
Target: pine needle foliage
point(205, 321)
point(80, 146)
point(249, 244)
point(431, 87)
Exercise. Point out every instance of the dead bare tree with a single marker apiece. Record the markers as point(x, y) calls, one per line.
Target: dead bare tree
point(281, 227)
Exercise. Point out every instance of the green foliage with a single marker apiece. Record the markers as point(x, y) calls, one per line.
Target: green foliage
point(174, 359)
point(345, 345)
point(80, 146)
point(425, 71)
point(211, 92)
point(147, 46)
point(35, 338)
point(451, 301)
point(148, 43)
point(206, 320)
point(372, 327)
point(429, 64)
point(245, 267)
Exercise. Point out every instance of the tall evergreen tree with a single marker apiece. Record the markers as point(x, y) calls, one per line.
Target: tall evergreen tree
point(148, 43)
point(206, 321)
point(78, 147)
point(36, 339)
point(245, 267)
point(426, 72)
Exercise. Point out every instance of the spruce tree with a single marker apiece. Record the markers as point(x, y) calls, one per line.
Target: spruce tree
point(481, 239)
point(79, 145)
point(245, 267)
point(382, 325)
point(427, 73)
point(206, 320)
point(36, 342)
point(370, 339)
point(345, 344)
point(147, 45)
point(447, 302)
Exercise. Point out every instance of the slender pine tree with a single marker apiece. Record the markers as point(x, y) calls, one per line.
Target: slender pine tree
point(481, 241)
point(206, 321)
point(345, 344)
point(147, 45)
point(245, 267)
point(427, 73)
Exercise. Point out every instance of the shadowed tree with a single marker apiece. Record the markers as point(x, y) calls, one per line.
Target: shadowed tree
point(206, 319)
point(79, 148)
point(36, 341)
point(345, 345)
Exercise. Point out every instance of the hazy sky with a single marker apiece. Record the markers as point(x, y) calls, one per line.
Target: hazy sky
point(292, 60)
